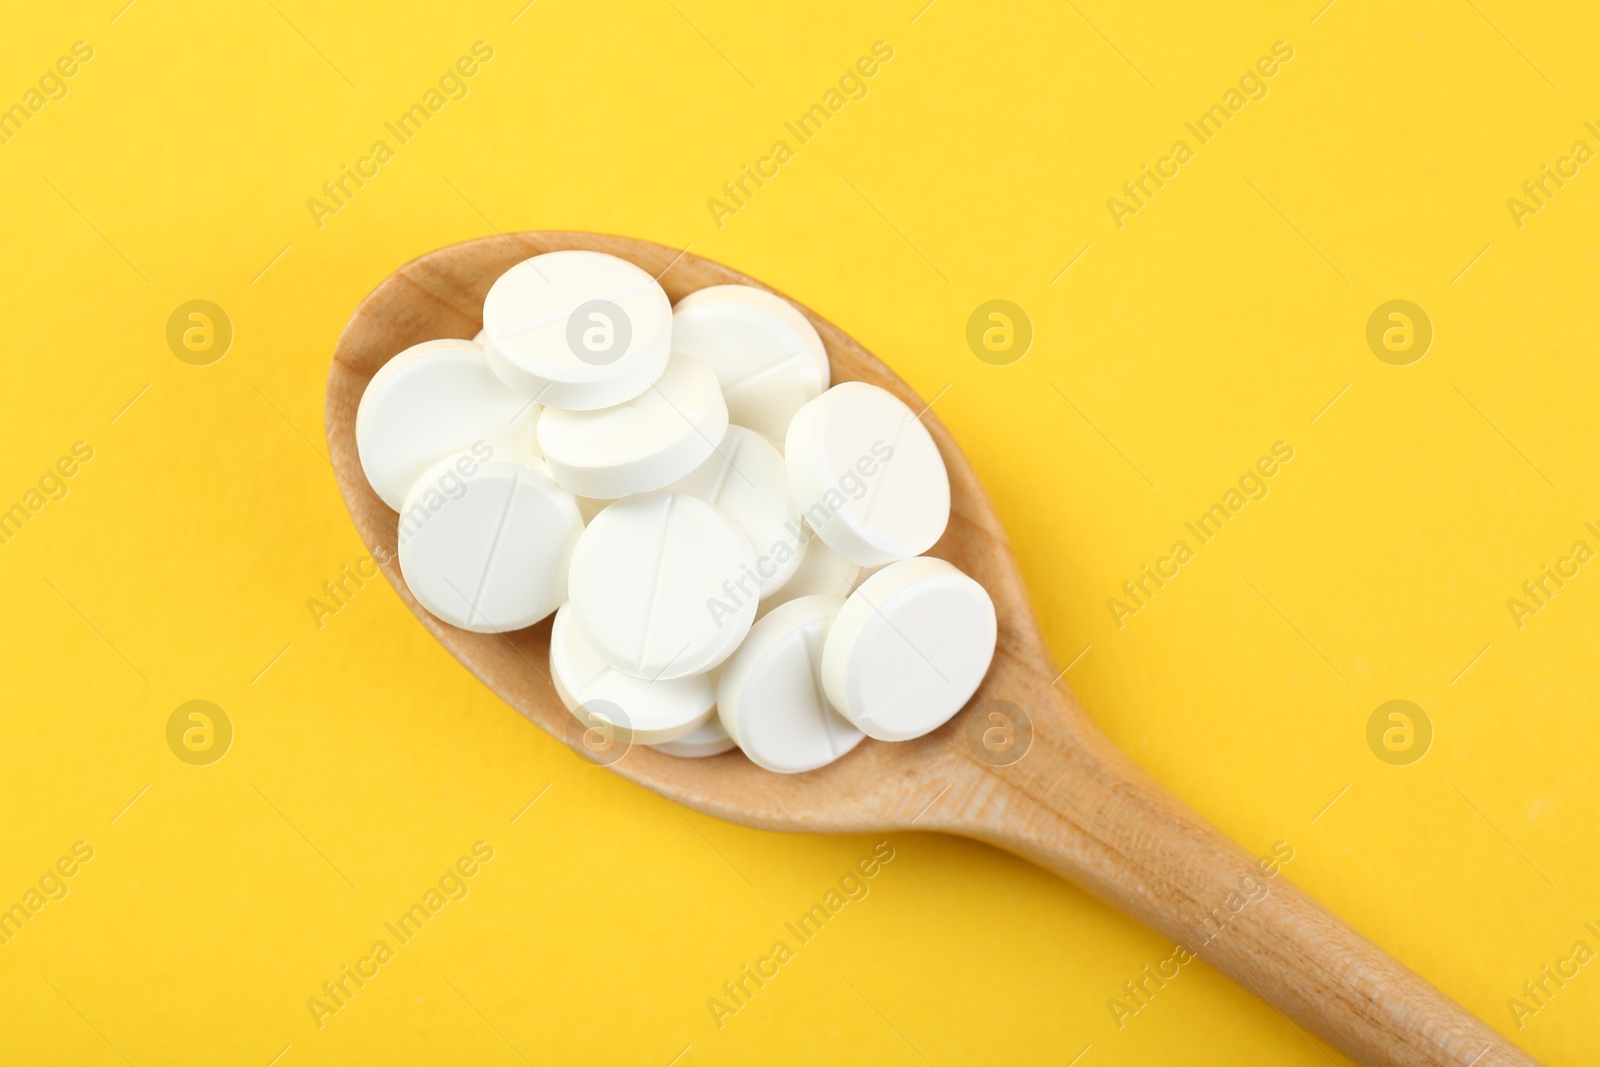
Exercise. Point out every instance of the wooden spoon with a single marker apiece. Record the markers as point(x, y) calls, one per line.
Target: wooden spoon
point(1072, 803)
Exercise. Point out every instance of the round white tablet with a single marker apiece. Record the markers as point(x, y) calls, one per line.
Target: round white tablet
point(577, 329)
point(644, 444)
point(663, 585)
point(745, 477)
point(770, 698)
point(434, 400)
point(822, 571)
point(651, 712)
point(909, 648)
point(485, 546)
point(866, 475)
point(767, 355)
point(708, 740)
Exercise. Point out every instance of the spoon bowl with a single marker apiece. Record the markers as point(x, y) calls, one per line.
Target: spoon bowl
point(1021, 766)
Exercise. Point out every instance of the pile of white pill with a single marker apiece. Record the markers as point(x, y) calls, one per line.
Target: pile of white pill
point(732, 549)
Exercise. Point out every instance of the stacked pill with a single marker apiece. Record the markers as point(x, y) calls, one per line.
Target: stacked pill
point(732, 550)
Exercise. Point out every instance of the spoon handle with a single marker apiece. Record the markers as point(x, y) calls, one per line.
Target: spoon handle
point(1076, 805)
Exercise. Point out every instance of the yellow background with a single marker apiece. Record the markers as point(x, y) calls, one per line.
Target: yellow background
point(1224, 316)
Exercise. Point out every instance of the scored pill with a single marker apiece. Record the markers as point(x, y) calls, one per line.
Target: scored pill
point(771, 698)
point(663, 585)
point(485, 545)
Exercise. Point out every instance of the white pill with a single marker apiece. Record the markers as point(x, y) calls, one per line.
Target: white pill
point(655, 585)
point(770, 698)
point(645, 444)
point(746, 477)
point(909, 648)
point(434, 400)
point(478, 338)
point(708, 740)
point(822, 571)
point(867, 475)
point(767, 355)
point(644, 712)
point(486, 546)
point(577, 329)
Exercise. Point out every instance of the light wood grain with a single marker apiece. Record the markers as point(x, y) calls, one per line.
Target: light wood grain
point(1073, 804)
